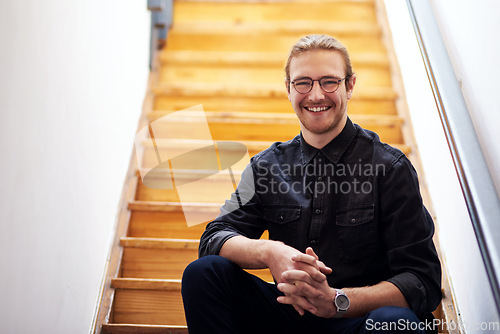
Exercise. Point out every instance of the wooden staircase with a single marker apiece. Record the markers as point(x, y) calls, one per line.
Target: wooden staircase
point(229, 57)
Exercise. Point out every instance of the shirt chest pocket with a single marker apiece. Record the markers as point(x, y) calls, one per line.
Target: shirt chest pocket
point(357, 233)
point(282, 222)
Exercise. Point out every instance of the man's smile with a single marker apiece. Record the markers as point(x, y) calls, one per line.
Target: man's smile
point(317, 108)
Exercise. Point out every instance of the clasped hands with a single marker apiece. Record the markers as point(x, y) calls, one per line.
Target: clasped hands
point(302, 279)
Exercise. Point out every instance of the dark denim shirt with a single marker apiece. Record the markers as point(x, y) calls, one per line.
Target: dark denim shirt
point(356, 202)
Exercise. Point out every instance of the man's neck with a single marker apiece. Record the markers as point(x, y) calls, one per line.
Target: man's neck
point(321, 140)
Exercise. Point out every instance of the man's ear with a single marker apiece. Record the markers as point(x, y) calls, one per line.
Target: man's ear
point(287, 85)
point(350, 85)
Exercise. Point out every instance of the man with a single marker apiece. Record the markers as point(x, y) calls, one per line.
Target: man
point(350, 244)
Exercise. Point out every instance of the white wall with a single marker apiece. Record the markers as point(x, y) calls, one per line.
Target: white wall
point(470, 31)
point(72, 81)
point(456, 236)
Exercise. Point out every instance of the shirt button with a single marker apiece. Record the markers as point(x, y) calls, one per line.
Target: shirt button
point(318, 211)
point(320, 178)
point(353, 221)
point(313, 242)
point(281, 218)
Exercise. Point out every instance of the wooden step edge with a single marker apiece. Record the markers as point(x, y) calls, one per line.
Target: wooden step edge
point(146, 284)
point(189, 174)
point(243, 2)
point(255, 90)
point(189, 143)
point(248, 117)
point(159, 243)
point(256, 58)
point(172, 206)
point(254, 146)
point(143, 329)
point(276, 28)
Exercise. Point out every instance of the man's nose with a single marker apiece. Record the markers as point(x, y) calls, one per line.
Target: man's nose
point(316, 92)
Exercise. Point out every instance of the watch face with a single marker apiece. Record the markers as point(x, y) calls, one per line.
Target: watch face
point(342, 302)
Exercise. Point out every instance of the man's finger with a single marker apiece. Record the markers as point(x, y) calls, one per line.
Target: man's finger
point(310, 251)
point(305, 258)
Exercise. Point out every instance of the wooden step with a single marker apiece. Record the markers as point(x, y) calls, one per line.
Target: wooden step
point(255, 42)
point(277, 28)
point(255, 11)
point(155, 258)
point(166, 219)
point(148, 301)
point(257, 59)
point(215, 188)
point(276, 104)
point(264, 126)
point(142, 329)
point(196, 74)
point(255, 90)
point(174, 147)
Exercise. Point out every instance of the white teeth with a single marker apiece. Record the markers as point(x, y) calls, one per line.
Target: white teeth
point(317, 109)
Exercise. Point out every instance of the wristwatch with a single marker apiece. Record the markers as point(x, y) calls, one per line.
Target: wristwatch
point(341, 303)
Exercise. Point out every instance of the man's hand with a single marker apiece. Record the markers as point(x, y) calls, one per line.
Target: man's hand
point(306, 288)
point(283, 258)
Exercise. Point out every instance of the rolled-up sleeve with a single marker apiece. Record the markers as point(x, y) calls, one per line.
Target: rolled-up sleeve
point(407, 230)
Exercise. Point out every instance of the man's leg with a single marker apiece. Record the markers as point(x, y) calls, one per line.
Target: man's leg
point(219, 297)
point(392, 319)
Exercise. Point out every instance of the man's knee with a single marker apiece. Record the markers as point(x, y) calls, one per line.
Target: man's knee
point(204, 270)
point(392, 319)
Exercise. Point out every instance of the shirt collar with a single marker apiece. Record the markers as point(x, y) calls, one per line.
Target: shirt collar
point(334, 149)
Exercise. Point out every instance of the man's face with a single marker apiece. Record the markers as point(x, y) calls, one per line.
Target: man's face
point(320, 113)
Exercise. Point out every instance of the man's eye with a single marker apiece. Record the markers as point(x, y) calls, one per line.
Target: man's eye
point(302, 83)
point(330, 82)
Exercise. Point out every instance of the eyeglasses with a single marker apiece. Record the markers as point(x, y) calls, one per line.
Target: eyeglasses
point(328, 84)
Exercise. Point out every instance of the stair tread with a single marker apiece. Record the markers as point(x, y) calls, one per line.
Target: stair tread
point(254, 145)
point(243, 11)
point(300, 27)
point(253, 90)
point(256, 58)
point(260, 117)
point(159, 243)
point(146, 284)
point(146, 329)
point(171, 206)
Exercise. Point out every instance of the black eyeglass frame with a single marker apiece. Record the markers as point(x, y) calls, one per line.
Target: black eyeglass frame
point(320, 84)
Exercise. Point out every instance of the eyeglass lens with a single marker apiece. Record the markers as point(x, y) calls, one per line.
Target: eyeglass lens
point(304, 85)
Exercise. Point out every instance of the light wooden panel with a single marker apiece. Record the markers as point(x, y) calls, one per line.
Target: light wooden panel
point(220, 102)
point(148, 307)
point(142, 329)
point(344, 11)
point(155, 224)
point(165, 263)
point(366, 76)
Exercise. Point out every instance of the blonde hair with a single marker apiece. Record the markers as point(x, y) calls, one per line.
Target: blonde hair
point(318, 42)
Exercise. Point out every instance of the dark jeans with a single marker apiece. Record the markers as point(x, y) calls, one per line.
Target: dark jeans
point(221, 298)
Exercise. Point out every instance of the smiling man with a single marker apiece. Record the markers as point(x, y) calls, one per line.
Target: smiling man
point(350, 242)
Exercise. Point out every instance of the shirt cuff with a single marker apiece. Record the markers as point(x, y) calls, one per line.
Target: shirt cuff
point(214, 243)
point(413, 290)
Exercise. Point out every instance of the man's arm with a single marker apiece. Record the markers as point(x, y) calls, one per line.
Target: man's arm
point(275, 255)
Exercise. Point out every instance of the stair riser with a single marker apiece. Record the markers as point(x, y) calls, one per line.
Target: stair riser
point(150, 224)
point(390, 133)
point(156, 263)
point(148, 307)
point(338, 11)
point(259, 104)
point(258, 42)
point(205, 191)
point(366, 76)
